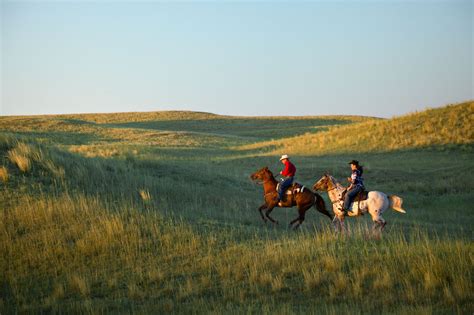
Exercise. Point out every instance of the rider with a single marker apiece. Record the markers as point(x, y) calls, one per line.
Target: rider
point(356, 185)
point(288, 174)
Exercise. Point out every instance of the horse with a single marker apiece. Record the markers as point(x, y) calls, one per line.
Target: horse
point(376, 203)
point(300, 196)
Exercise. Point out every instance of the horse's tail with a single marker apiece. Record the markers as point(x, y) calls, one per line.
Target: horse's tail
point(396, 203)
point(320, 205)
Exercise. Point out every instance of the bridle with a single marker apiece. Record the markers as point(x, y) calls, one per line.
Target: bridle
point(267, 180)
point(335, 187)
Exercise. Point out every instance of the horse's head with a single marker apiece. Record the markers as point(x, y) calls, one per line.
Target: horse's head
point(262, 174)
point(323, 183)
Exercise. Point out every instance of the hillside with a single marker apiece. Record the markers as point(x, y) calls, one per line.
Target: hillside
point(140, 127)
point(157, 214)
point(122, 134)
point(453, 125)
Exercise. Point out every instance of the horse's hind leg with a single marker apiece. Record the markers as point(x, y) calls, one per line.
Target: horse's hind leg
point(301, 217)
point(379, 222)
point(300, 221)
point(293, 221)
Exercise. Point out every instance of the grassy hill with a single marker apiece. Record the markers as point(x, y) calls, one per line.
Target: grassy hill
point(450, 125)
point(155, 212)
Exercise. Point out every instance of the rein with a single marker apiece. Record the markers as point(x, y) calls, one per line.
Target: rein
point(265, 181)
point(269, 180)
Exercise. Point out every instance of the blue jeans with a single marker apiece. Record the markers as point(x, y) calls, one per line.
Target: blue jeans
point(350, 195)
point(283, 186)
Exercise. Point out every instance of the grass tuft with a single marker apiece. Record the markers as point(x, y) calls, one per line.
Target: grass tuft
point(4, 174)
point(144, 195)
point(20, 160)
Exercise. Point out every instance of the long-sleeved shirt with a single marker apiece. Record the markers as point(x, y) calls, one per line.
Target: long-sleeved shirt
point(356, 178)
point(289, 170)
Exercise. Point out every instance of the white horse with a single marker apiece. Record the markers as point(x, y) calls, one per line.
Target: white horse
point(376, 203)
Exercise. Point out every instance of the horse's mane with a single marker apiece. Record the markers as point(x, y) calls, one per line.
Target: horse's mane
point(268, 170)
point(334, 180)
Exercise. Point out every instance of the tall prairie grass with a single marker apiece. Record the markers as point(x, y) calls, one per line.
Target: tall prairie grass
point(69, 249)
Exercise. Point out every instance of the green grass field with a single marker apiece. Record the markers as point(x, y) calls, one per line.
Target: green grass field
point(155, 213)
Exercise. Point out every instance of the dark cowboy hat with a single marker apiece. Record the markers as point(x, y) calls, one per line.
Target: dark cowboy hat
point(355, 162)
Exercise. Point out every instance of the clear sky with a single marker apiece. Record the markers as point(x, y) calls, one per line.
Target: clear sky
point(377, 58)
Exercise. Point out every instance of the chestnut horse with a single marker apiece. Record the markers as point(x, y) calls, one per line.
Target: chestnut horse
point(303, 198)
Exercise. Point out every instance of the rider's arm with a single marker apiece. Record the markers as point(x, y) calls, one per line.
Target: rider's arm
point(352, 180)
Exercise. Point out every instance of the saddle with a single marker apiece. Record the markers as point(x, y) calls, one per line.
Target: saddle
point(293, 189)
point(362, 195)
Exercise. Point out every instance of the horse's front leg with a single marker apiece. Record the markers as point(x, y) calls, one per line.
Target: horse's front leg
point(267, 214)
point(262, 207)
point(338, 219)
point(335, 223)
point(343, 226)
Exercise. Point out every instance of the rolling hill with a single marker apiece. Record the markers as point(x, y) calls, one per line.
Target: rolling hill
point(155, 213)
point(453, 124)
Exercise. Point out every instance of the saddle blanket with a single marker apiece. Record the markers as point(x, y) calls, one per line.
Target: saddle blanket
point(293, 189)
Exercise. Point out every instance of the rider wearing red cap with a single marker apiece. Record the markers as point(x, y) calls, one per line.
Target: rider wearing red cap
point(288, 174)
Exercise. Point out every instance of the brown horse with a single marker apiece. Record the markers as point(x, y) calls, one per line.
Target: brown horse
point(301, 197)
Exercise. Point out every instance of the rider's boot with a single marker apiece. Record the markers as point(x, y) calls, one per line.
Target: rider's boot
point(346, 211)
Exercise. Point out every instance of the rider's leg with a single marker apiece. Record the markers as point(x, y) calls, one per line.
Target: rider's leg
point(283, 186)
point(350, 195)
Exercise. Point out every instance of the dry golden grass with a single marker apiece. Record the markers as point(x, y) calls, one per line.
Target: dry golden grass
point(24, 156)
point(21, 161)
point(144, 194)
point(452, 124)
point(4, 174)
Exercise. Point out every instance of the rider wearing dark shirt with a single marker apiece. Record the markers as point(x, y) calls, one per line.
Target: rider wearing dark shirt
point(356, 186)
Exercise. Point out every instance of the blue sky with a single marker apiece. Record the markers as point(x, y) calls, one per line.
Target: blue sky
point(377, 58)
